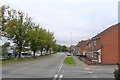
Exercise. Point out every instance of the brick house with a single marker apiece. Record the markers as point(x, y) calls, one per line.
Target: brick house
point(119, 42)
point(103, 48)
point(82, 46)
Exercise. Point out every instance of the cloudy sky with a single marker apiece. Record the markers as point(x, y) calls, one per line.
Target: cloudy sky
point(83, 18)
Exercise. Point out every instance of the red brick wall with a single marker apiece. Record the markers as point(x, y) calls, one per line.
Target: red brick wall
point(81, 49)
point(119, 42)
point(98, 44)
point(110, 46)
point(83, 46)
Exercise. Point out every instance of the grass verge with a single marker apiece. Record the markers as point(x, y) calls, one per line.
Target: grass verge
point(22, 60)
point(69, 60)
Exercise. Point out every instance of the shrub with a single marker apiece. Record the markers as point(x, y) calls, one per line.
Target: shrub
point(117, 73)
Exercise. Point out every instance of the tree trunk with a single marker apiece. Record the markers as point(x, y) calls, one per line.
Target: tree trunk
point(19, 43)
point(47, 49)
point(41, 51)
point(34, 54)
point(19, 55)
point(19, 52)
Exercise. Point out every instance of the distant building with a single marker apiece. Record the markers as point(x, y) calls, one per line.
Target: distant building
point(82, 46)
point(72, 48)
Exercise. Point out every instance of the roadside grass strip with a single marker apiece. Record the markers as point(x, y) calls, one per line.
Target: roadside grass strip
point(69, 60)
point(21, 60)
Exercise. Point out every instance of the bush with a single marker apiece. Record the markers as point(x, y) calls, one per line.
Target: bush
point(117, 73)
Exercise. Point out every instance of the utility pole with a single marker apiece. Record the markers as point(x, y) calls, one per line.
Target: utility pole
point(71, 42)
point(71, 38)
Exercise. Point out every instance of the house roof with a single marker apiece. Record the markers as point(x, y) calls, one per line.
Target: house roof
point(107, 30)
point(83, 42)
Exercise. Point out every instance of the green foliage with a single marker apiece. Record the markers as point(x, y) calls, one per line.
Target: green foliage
point(62, 48)
point(4, 48)
point(22, 60)
point(19, 28)
point(16, 28)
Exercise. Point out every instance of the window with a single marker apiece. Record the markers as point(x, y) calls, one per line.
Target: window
point(94, 42)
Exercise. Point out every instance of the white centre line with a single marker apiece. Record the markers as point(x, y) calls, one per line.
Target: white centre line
point(55, 77)
point(60, 68)
point(90, 72)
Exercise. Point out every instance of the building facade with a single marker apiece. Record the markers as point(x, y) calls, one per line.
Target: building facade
point(82, 46)
point(104, 48)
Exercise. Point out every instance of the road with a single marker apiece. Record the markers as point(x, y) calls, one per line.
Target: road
point(53, 67)
point(43, 68)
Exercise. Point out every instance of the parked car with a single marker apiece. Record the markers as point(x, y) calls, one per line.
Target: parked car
point(36, 54)
point(80, 55)
point(68, 54)
point(77, 54)
point(1, 58)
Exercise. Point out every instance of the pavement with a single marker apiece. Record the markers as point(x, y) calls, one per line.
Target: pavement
point(53, 67)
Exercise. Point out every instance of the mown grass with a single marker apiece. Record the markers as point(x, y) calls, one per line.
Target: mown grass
point(22, 60)
point(69, 60)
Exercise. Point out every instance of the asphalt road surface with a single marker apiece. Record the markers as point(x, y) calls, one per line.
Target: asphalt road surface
point(43, 68)
point(53, 67)
point(81, 70)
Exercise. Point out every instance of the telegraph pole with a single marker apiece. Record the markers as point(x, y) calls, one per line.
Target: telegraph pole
point(71, 38)
point(71, 42)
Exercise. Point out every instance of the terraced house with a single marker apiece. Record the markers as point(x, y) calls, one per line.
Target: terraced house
point(82, 46)
point(104, 48)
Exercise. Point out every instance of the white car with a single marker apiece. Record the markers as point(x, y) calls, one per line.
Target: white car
point(68, 54)
point(36, 54)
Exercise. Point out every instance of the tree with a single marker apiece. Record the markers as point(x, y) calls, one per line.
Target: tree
point(50, 41)
point(34, 39)
point(42, 39)
point(19, 28)
point(3, 19)
point(4, 48)
point(16, 28)
point(62, 48)
point(55, 47)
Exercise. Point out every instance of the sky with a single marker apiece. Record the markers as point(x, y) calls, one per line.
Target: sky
point(79, 19)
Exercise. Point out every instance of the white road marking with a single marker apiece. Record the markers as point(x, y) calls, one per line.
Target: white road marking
point(56, 76)
point(87, 68)
point(61, 76)
point(60, 68)
point(90, 72)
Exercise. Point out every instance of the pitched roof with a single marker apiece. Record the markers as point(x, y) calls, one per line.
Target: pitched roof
point(83, 42)
point(107, 30)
